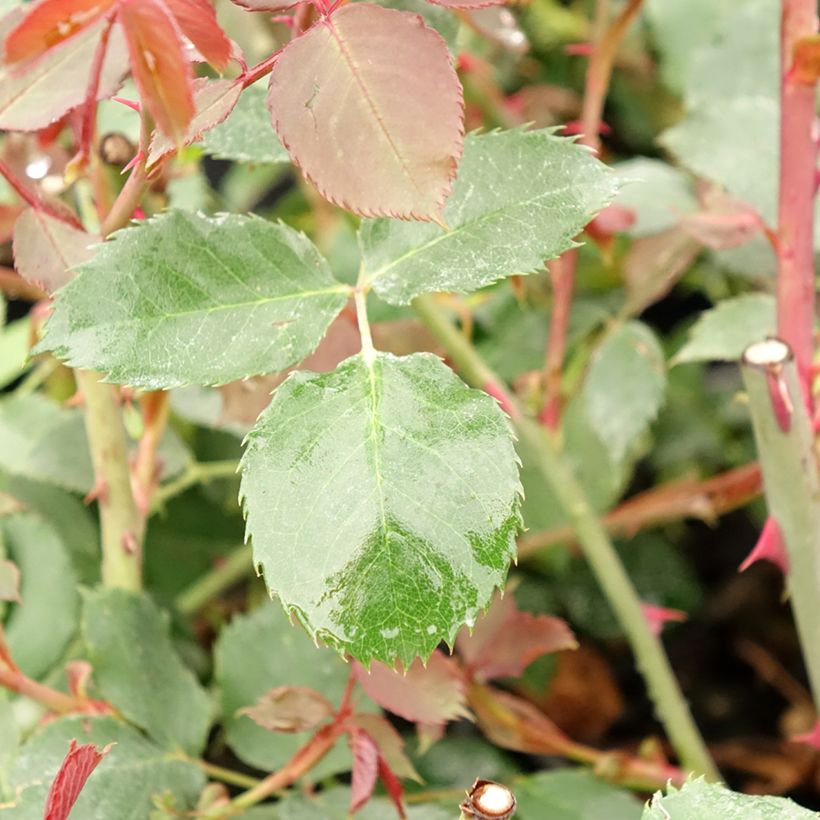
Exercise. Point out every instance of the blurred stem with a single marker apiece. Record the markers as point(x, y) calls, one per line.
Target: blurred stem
point(798, 160)
point(155, 411)
point(670, 704)
point(196, 473)
point(230, 571)
point(686, 498)
point(121, 525)
point(785, 442)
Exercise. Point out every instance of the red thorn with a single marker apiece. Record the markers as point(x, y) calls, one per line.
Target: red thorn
point(658, 616)
point(781, 400)
point(497, 392)
point(466, 63)
point(579, 49)
point(138, 214)
point(770, 546)
point(132, 104)
point(139, 157)
point(99, 492)
point(573, 127)
point(129, 543)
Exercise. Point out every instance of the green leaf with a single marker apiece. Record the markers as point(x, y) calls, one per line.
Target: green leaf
point(72, 520)
point(43, 441)
point(624, 387)
point(383, 503)
point(520, 198)
point(573, 795)
point(14, 345)
point(699, 800)
point(138, 671)
point(202, 300)
point(726, 330)
point(257, 653)
point(39, 629)
point(123, 785)
point(247, 134)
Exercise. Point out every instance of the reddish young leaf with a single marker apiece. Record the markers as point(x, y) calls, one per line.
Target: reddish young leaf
point(433, 695)
point(214, 100)
point(197, 19)
point(38, 92)
point(9, 582)
point(289, 709)
point(159, 65)
point(505, 641)
point(365, 769)
point(390, 743)
point(266, 5)
point(49, 23)
point(369, 106)
point(45, 249)
point(74, 771)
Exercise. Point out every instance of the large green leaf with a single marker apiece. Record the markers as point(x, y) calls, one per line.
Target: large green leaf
point(699, 800)
point(39, 629)
point(43, 441)
point(257, 653)
point(123, 785)
point(726, 330)
point(520, 198)
point(624, 387)
point(247, 134)
point(383, 503)
point(185, 298)
point(137, 669)
point(573, 795)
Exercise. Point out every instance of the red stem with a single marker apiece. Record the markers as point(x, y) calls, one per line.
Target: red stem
point(89, 123)
point(260, 70)
point(798, 160)
point(562, 274)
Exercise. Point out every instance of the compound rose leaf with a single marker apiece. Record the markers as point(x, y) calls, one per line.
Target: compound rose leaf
point(369, 106)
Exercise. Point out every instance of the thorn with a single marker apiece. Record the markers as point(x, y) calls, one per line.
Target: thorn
point(781, 400)
point(132, 104)
point(129, 543)
point(573, 127)
point(138, 158)
point(770, 547)
point(77, 400)
point(659, 616)
point(99, 492)
point(579, 49)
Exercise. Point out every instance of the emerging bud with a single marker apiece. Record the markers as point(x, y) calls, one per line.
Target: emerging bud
point(488, 801)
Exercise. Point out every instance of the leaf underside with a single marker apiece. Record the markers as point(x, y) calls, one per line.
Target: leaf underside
point(369, 106)
point(383, 503)
point(520, 198)
point(189, 299)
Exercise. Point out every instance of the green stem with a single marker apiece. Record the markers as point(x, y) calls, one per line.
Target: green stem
point(663, 688)
point(785, 442)
point(121, 525)
point(237, 566)
point(196, 473)
point(215, 772)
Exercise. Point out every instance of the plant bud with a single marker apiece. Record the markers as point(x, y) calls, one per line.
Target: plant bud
point(488, 801)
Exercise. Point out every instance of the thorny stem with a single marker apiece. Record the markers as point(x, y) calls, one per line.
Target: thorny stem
point(798, 159)
point(686, 498)
point(52, 699)
point(604, 561)
point(785, 442)
point(260, 70)
point(121, 524)
point(155, 411)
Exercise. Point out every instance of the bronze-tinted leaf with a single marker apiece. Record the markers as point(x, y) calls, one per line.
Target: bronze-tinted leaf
point(369, 106)
point(289, 709)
